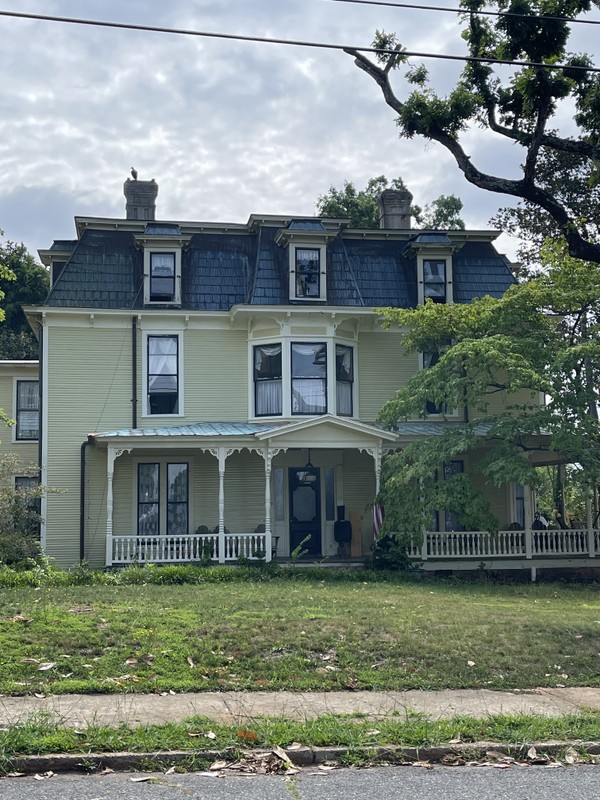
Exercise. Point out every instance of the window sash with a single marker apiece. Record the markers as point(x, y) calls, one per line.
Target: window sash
point(148, 517)
point(162, 277)
point(344, 368)
point(27, 410)
point(177, 499)
point(309, 378)
point(163, 375)
point(434, 280)
point(308, 271)
point(267, 380)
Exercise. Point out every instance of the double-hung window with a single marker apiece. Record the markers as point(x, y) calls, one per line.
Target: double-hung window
point(434, 280)
point(309, 378)
point(27, 411)
point(153, 497)
point(162, 277)
point(344, 375)
point(308, 272)
point(267, 380)
point(163, 375)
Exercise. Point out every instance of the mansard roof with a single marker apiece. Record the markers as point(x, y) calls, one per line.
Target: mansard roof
point(227, 265)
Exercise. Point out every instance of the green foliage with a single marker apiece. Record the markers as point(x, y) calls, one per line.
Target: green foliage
point(19, 514)
point(22, 282)
point(390, 552)
point(541, 338)
point(360, 205)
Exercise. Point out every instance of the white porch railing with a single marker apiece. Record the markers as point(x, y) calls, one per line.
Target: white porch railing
point(561, 543)
point(183, 549)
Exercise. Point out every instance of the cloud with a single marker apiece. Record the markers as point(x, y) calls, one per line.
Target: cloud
point(226, 128)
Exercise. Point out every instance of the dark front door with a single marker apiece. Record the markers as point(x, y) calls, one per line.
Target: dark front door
point(305, 510)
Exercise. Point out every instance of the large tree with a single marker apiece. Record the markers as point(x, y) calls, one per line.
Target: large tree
point(542, 339)
point(22, 282)
point(360, 205)
point(522, 104)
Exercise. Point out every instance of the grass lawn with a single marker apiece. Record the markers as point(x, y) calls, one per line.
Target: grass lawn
point(304, 634)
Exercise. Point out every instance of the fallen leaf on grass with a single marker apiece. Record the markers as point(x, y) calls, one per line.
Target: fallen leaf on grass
point(45, 667)
point(29, 660)
point(85, 608)
point(247, 735)
point(470, 663)
point(190, 661)
point(296, 746)
point(131, 661)
point(216, 765)
point(280, 752)
point(170, 771)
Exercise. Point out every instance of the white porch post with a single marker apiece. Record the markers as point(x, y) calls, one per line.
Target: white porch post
point(222, 457)
point(111, 456)
point(110, 472)
point(528, 514)
point(268, 456)
point(377, 454)
point(590, 524)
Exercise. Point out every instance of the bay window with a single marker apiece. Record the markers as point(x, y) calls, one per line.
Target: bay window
point(302, 378)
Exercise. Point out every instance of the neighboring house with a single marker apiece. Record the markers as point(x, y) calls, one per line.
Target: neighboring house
point(19, 398)
point(212, 389)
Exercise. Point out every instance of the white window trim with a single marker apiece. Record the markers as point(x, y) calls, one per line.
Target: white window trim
point(180, 376)
point(14, 405)
point(445, 255)
point(148, 250)
point(323, 270)
point(286, 375)
point(162, 460)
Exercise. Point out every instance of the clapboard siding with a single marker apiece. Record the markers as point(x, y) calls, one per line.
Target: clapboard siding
point(383, 368)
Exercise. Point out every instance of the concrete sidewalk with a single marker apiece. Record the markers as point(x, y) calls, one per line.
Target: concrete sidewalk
point(241, 707)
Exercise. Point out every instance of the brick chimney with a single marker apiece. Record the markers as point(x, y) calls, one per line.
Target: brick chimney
point(141, 199)
point(394, 208)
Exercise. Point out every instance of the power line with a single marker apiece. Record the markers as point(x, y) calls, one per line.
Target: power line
point(480, 12)
point(289, 42)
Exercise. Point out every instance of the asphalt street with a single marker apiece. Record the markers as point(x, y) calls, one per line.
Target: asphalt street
point(381, 783)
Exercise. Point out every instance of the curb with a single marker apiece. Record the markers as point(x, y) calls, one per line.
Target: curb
point(300, 757)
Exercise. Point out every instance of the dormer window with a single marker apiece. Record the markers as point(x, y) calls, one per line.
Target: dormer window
point(162, 243)
point(308, 272)
point(162, 277)
point(434, 280)
point(305, 241)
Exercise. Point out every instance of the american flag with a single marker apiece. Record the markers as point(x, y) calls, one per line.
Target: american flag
point(378, 515)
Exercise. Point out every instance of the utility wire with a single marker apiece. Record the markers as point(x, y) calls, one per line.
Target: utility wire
point(481, 12)
point(289, 42)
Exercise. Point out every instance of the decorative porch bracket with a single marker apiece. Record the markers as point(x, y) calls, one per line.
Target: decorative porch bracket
point(111, 456)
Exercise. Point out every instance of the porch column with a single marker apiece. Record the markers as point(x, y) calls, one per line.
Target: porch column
point(590, 523)
point(377, 453)
point(112, 454)
point(222, 457)
point(528, 514)
point(268, 456)
point(110, 471)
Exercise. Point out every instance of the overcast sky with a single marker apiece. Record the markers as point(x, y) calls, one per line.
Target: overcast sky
point(226, 128)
